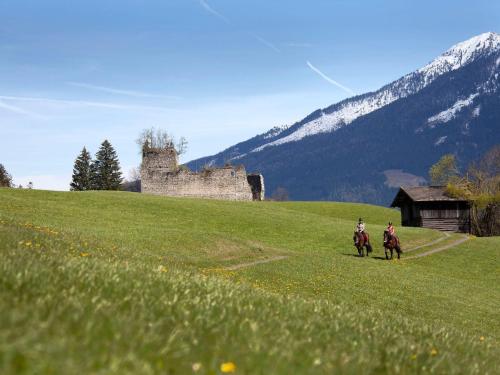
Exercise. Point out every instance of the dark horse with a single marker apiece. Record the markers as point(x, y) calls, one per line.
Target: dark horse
point(392, 244)
point(360, 242)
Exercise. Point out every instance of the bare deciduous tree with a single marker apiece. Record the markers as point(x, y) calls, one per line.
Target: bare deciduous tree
point(161, 139)
point(280, 194)
point(133, 182)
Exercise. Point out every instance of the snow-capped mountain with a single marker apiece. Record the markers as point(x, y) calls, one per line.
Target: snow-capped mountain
point(347, 111)
point(460, 86)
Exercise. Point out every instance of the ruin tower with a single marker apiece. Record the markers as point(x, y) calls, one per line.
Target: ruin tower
point(156, 165)
point(159, 160)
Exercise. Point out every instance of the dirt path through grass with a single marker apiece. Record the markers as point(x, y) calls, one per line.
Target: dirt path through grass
point(446, 235)
point(442, 248)
point(244, 265)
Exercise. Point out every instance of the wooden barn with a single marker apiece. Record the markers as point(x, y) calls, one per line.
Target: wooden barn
point(430, 207)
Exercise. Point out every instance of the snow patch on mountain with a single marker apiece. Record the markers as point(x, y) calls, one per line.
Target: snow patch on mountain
point(239, 156)
point(275, 131)
point(440, 140)
point(450, 113)
point(349, 110)
point(461, 54)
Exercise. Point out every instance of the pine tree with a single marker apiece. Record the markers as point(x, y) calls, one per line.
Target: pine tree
point(106, 169)
point(5, 177)
point(81, 179)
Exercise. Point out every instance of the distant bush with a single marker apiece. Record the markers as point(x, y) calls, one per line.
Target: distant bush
point(184, 168)
point(280, 194)
point(5, 177)
point(481, 186)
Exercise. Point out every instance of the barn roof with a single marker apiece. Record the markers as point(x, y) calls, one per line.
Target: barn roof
point(423, 194)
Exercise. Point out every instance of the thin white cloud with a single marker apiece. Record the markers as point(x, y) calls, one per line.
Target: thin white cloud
point(136, 94)
point(19, 110)
point(212, 11)
point(266, 42)
point(298, 45)
point(219, 15)
point(328, 79)
point(80, 103)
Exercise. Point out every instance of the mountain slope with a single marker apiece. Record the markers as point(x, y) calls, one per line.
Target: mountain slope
point(362, 148)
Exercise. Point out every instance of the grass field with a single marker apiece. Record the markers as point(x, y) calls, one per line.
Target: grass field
point(117, 283)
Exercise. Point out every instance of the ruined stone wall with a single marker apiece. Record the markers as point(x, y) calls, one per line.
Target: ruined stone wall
point(224, 183)
point(161, 175)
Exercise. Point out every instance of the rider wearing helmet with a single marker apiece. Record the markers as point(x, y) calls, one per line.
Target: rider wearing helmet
point(360, 228)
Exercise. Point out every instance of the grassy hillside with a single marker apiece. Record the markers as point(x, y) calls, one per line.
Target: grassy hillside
point(103, 282)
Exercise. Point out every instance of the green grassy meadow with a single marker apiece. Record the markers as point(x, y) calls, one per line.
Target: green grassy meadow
point(124, 283)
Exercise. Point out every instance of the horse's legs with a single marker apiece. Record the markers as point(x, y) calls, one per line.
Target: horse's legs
point(392, 252)
point(398, 249)
point(386, 254)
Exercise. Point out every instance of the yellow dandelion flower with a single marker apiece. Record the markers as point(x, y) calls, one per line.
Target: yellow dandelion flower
point(228, 367)
point(162, 269)
point(434, 352)
point(196, 366)
point(481, 338)
point(84, 254)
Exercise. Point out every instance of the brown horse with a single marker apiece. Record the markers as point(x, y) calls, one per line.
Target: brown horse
point(361, 242)
point(391, 245)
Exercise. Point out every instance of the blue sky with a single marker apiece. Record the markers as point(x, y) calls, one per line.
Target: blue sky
point(74, 73)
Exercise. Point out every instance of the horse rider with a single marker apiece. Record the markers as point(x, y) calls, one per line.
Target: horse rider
point(390, 231)
point(360, 228)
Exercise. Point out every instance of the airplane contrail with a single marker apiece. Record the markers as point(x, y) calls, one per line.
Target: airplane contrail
point(328, 79)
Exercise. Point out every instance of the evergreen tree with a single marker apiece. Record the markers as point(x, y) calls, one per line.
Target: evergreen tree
point(5, 177)
point(82, 176)
point(106, 168)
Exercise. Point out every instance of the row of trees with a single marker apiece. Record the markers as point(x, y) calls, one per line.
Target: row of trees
point(480, 185)
point(102, 173)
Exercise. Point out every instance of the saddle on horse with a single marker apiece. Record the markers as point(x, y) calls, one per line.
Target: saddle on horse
point(360, 235)
point(388, 238)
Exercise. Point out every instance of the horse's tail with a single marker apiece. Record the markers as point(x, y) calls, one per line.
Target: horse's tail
point(398, 245)
point(369, 247)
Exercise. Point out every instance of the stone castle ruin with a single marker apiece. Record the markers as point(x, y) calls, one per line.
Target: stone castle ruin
point(162, 175)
